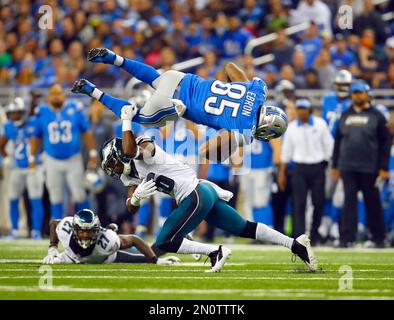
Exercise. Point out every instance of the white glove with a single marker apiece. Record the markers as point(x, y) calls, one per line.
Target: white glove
point(7, 162)
point(52, 255)
point(167, 261)
point(128, 112)
point(179, 106)
point(144, 190)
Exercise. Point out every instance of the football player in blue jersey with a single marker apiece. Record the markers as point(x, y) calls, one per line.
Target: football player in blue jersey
point(18, 130)
point(61, 125)
point(333, 104)
point(234, 106)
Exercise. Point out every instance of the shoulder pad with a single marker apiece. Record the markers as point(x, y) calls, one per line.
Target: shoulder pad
point(63, 235)
point(113, 243)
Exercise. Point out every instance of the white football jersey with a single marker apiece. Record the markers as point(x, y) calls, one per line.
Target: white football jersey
point(165, 164)
point(104, 251)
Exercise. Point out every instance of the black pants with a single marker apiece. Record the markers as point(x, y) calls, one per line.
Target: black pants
point(279, 202)
point(352, 183)
point(308, 177)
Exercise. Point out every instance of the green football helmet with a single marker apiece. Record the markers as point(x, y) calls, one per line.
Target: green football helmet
point(86, 227)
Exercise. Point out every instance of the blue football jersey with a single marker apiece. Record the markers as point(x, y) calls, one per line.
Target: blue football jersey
point(219, 105)
point(61, 129)
point(20, 136)
point(181, 140)
point(332, 108)
point(260, 155)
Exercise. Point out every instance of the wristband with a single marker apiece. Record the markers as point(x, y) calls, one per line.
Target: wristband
point(96, 93)
point(126, 125)
point(118, 60)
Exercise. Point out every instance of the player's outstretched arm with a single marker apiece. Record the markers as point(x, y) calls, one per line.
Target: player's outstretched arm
point(53, 243)
point(141, 71)
point(235, 73)
point(130, 240)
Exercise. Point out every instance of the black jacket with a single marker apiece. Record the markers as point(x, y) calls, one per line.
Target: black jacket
point(362, 141)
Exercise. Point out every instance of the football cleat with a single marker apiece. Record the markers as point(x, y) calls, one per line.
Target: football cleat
point(302, 248)
point(102, 55)
point(218, 258)
point(83, 86)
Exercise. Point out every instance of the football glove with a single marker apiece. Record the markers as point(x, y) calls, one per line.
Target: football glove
point(52, 255)
point(167, 261)
point(143, 191)
point(83, 86)
point(128, 112)
point(104, 55)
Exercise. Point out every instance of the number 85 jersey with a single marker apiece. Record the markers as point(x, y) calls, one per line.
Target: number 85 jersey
point(61, 129)
point(104, 251)
point(231, 106)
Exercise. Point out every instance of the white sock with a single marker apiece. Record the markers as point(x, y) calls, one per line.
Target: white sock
point(188, 246)
point(265, 233)
point(118, 60)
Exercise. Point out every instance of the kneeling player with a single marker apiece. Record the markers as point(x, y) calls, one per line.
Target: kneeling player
point(145, 167)
point(85, 241)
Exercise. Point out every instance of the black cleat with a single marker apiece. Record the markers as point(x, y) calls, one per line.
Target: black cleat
point(302, 248)
point(218, 258)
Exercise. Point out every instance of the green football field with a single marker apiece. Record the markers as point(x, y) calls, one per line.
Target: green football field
point(253, 272)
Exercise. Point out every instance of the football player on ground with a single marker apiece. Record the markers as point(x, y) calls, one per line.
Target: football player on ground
point(234, 106)
point(144, 167)
point(61, 125)
point(85, 241)
point(19, 129)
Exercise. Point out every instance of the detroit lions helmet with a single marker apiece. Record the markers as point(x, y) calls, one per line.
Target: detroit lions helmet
point(86, 227)
point(272, 123)
point(342, 82)
point(17, 111)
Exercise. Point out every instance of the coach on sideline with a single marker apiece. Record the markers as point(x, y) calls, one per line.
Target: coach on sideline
point(308, 144)
point(361, 156)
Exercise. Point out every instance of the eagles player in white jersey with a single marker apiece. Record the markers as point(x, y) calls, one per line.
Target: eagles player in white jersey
point(85, 241)
point(146, 168)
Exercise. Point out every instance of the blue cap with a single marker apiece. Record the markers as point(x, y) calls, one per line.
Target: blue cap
point(303, 103)
point(270, 68)
point(359, 86)
point(158, 20)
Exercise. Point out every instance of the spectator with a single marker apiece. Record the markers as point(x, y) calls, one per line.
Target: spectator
point(303, 135)
point(369, 52)
point(312, 10)
point(370, 19)
point(388, 83)
point(277, 19)
point(312, 80)
point(251, 14)
point(287, 73)
point(311, 44)
point(325, 69)
point(283, 49)
point(298, 63)
point(341, 56)
point(270, 75)
point(361, 155)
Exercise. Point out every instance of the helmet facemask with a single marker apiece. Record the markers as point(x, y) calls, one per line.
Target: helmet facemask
point(86, 228)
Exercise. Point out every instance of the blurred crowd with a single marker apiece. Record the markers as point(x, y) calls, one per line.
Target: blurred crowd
point(162, 33)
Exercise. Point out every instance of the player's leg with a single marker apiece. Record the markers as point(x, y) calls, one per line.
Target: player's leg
point(141, 71)
point(300, 192)
point(16, 186)
point(225, 217)
point(35, 189)
point(262, 183)
point(73, 177)
point(54, 180)
point(185, 218)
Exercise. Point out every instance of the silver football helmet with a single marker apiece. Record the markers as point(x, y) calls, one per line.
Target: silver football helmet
point(17, 111)
point(342, 82)
point(86, 227)
point(272, 123)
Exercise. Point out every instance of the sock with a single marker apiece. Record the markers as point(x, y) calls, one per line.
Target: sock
point(37, 213)
point(264, 215)
point(335, 213)
point(114, 104)
point(361, 213)
point(14, 213)
point(144, 214)
point(82, 205)
point(141, 71)
point(327, 208)
point(265, 233)
point(57, 211)
point(188, 246)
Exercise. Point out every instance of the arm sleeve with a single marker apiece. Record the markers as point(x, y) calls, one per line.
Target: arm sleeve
point(384, 140)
